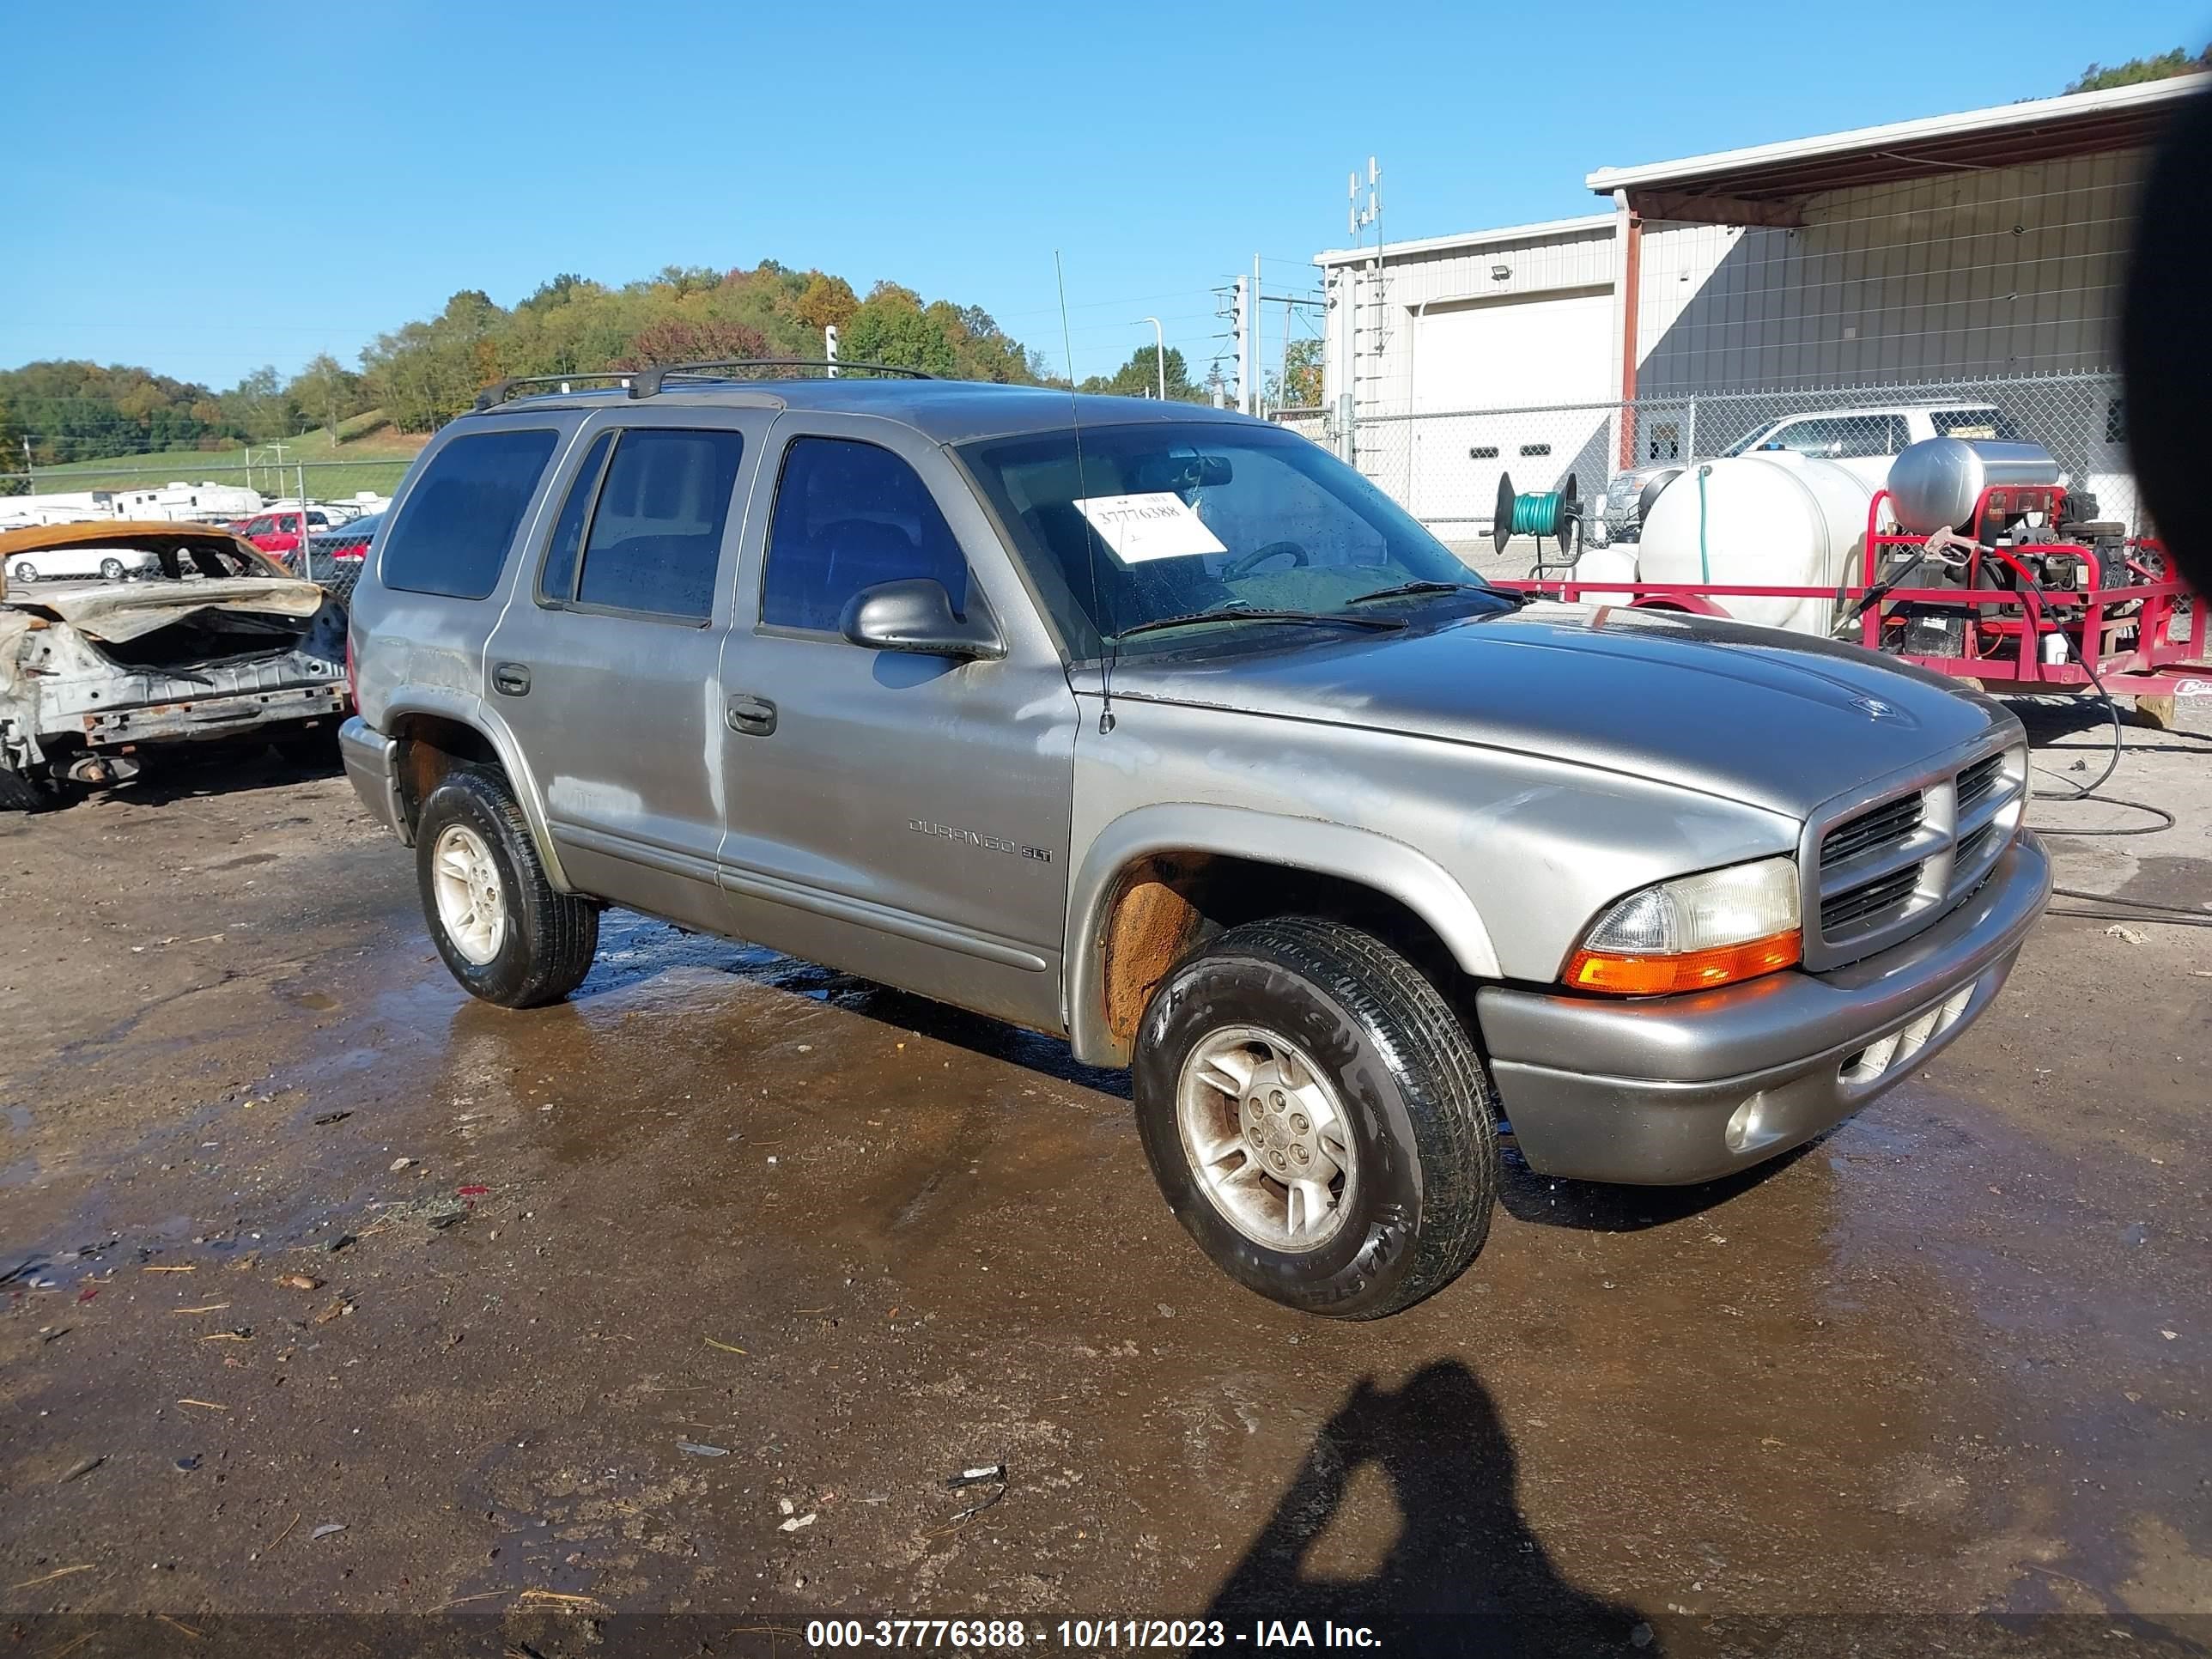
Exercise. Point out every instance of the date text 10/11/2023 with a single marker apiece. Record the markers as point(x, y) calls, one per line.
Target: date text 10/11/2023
point(1080, 1635)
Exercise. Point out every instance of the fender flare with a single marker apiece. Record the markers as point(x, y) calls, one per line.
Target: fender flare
point(1390, 867)
point(472, 712)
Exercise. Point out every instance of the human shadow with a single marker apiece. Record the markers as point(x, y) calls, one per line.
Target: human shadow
point(1465, 1575)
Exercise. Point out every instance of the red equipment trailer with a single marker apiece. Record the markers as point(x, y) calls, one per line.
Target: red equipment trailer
point(2008, 628)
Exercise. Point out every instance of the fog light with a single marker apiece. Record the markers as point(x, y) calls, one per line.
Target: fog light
point(1746, 1124)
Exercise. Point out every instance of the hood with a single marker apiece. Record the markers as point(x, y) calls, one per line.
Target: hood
point(121, 612)
point(1778, 720)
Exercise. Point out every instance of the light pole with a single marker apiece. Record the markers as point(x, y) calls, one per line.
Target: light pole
point(1159, 354)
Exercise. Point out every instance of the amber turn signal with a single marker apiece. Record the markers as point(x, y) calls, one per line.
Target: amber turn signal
point(1692, 970)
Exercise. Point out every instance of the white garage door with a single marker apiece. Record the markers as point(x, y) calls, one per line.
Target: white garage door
point(1508, 354)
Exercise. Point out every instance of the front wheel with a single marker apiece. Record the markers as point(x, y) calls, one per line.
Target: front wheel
point(24, 574)
point(111, 570)
point(1317, 1118)
point(507, 933)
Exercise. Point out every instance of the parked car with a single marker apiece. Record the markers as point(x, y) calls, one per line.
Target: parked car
point(92, 559)
point(215, 643)
point(1861, 441)
point(279, 533)
point(1168, 732)
point(347, 540)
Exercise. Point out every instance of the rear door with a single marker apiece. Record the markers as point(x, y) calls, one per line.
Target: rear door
point(605, 662)
point(899, 816)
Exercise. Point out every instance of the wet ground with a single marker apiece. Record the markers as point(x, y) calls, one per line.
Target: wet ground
point(688, 1296)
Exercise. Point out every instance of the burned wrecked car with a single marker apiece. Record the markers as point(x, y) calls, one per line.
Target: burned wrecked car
point(212, 641)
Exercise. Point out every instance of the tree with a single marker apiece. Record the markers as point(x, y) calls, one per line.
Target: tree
point(1299, 385)
point(1139, 377)
point(825, 302)
point(326, 391)
point(687, 340)
point(259, 408)
point(2138, 71)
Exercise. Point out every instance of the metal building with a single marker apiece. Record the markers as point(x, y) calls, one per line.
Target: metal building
point(1968, 257)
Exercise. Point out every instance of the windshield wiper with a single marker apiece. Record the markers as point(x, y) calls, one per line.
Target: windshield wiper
point(1311, 618)
point(1403, 590)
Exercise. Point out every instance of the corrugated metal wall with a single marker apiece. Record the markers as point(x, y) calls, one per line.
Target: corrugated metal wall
point(2006, 273)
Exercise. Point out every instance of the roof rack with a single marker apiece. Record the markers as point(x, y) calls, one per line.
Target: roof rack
point(646, 382)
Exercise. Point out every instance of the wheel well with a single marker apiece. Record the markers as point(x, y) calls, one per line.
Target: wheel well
point(1166, 904)
point(430, 747)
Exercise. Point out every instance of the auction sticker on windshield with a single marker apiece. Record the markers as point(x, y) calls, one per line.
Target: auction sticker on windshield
point(1138, 528)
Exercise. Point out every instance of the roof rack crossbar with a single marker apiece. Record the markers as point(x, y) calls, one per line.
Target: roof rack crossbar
point(500, 391)
point(646, 382)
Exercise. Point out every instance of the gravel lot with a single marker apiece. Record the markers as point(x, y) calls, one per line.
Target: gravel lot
point(688, 1295)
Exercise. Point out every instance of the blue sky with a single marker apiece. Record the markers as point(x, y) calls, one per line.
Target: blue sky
point(205, 188)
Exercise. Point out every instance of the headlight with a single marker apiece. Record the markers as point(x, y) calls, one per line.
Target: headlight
point(1693, 932)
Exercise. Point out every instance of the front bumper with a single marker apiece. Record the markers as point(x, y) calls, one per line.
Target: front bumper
point(1665, 1090)
point(372, 764)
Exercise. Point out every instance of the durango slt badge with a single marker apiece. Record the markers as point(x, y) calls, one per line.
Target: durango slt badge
point(974, 838)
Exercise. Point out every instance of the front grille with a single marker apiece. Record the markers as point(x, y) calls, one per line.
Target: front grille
point(1881, 871)
point(1972, 846)
point(1976, 782)
point(1878, 826)
point(1854, 905)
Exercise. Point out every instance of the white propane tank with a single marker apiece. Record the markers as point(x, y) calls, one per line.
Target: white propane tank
point(1775, 519)
point(1615, 564)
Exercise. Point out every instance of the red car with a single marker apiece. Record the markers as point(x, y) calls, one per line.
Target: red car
point(277, 534)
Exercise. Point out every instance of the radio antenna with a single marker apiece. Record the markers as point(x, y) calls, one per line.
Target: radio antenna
point(1083, 489)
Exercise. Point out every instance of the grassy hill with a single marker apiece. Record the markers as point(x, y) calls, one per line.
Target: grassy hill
point(372, 460)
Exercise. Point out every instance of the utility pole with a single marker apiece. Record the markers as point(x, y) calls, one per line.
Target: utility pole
point(1242, 325)
point(1259, 357)
point(29, 471)
point(1160, 355)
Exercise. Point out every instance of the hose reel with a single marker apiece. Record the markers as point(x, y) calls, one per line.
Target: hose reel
point(1558, 514)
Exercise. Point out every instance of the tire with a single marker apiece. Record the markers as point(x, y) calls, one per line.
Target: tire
point(544, 941)
point(24, 574)
point(111, 570)
point(19, 793)
point(1415, 1106)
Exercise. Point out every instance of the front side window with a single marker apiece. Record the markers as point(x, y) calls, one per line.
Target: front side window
point(1124, 526)
point(556, 582)
point(847, 516)
point(643, 531)
point(453, 535)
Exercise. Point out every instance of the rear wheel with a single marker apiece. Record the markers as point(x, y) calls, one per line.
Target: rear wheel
point(24, 574)
point(1317, 1118)
point(508, 936)
point(111, 570)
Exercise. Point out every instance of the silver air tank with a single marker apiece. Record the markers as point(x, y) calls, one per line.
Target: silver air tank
point(1934, 484)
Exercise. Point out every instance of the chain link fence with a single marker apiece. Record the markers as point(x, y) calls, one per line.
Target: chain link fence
point(1445, 466)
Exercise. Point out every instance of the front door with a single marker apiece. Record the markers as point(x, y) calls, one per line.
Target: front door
point(606, 661)
point(902, 816)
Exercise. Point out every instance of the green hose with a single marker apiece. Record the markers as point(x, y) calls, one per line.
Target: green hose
point(1536, 515)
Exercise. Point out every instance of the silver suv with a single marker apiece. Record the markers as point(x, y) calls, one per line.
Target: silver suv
point(1158, 728)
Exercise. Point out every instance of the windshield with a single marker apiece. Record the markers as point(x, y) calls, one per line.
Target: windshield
point(1169, 521)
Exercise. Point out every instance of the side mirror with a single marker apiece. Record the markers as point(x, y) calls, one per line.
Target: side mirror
point(914, 614)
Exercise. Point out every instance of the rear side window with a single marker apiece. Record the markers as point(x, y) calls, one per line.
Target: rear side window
point(453, 535)
point(655, 537)
point(847, 516)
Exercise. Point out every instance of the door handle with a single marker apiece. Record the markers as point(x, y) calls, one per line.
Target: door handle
point(750, 716)
point(511, 679)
